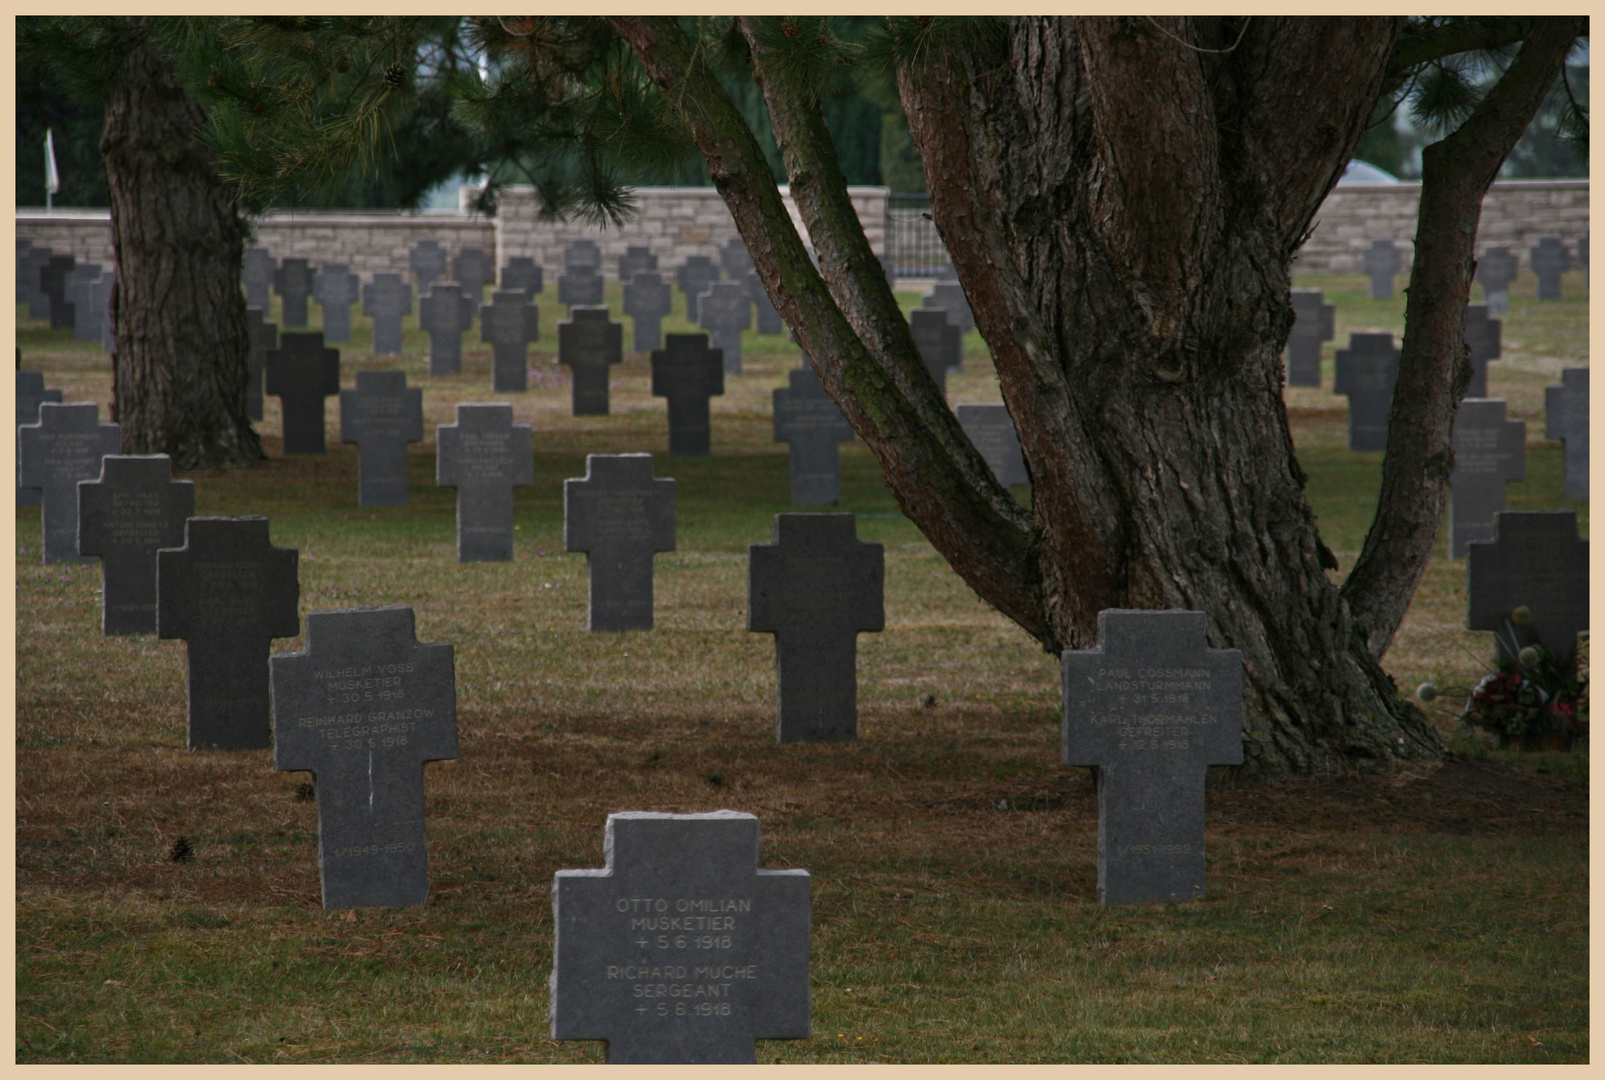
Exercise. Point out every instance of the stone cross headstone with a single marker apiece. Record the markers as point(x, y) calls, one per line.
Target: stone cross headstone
point(735, 259)
point(132, 511)
point(580, 287)
point(947, 271)
point(1550, 260)
point(228, 592)
point(816, 588)
point(583, 255)
point(301, 372)
point(810, 420)
point(80, 295)
point(1536, 561)
point(1366, 372)
point(939, 342)
point(53, 283)
point(336, 288)
point(427, 261)
point(693, 279)
point(484, 455)
point(1313, 323)
point(688, 373)
point(523, 272)
point(725, 310)
point(256, 272)
point(441, 316)
point(1490, 451)
point(386, 299)
point(64, 447)
point(647, 298)
point(31, 394)
point(100, 297)
point(949, 295)
point(769, 320)
point(1151, 708)
point(33, 263)
point(472, 269)
point(991, 429)
point(1380, 262)
point(510, 323)
point(382, 415)
point(1496, 270)
point(264, 338)
point(620, 515)
point(589, 343)
point(1483, 335)
point(634, 260)
point(680, 950)
point(364, 708)
point(1566, 419)
point(293, 282)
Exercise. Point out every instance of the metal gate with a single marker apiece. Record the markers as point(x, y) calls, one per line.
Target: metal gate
point(914, 248)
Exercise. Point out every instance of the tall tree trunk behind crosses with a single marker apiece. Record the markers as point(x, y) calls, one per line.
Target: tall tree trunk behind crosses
point(180, 367)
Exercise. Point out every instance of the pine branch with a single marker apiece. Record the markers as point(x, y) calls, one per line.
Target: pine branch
point(1426, 41)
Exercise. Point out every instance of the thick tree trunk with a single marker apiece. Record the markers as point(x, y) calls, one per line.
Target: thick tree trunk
point(180, 367)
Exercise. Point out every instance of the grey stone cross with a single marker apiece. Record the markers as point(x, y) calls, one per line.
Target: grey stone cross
point(647, 298)
point(301, 372)
point(1482, 333)
point(293, 282)
point(1366, 372)
point(725, 310)
point(1490, 451)
point(688, 373)
point(583, 255)
point(939, 342)
point(442, 314)
point(580, 287)
point(33, 262)
point(80, 290)
point(427, 261)
point(336, 288)
point(64, 447)
point(132, 511)
point(382, 415)
point(634, 260)
point(100, 296)
point(31, 394)
point(523, 272)
point(1535, 561)
point(693, 279)
point(769, 320)
point(1312, 324)
point(472, 269)
point(1566, 419)
point(386, 299)
point(484, 455)
point(589, 343)
point(1550, 260)
point(991, 429)
point(620, 515)
point(256, 271)
point(510, 323)
point(1380, 262)
point(264, 338)
point(735, 259)
point(1496, 270)
point(810, 420)
point(53, 284)
point(949, 295)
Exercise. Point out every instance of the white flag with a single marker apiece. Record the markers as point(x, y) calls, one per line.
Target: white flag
point(52, 181)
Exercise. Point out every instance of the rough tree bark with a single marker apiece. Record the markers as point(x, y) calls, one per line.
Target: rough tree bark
point(180, 367)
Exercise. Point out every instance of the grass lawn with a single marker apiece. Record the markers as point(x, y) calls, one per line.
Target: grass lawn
point(1431, 915)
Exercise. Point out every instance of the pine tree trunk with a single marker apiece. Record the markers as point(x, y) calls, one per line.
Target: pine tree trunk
point(180, 368)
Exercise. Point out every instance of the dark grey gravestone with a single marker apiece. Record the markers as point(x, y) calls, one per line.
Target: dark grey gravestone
point(1150, 709)
point(1313, 323)
point(228, 592)
point(991, 429)
point(1490, 451)
point(725, 310)
point(688, 373)
point(336, 288)
point(31, 394)
point(386, 299)
point(647, 298)
point(947, 272)
point(80, 294)
point(693, 279)
point(484, 455)
point(680, 951)
point(949, 295)
point(1366, 372)
point(581, 287)
point(382, 416)
point(1550, 260)
point(523, 272)
point(33, 262)
point(620, 515)
point(264, 337)
point(23, 247)
point(1496, 270)
point(816, 588)
point(589, 343)
point(810, 420)
point(364, 708)
point(510, 323)
point(735, 259)
point(256, 272)
point(472, 269)
point(293, 282)
point(1380, 262)
point(769, 320)
point(441, 316)
point(301, 372)
point(1566, 418)
point(1536, 561)
point(583, 255)
point(634, 260)
point(938, 341)
point(100, 294)
point(135, 509)
point(1483, 339)
point(53, 283)
point(64, 447)
point(427, 261)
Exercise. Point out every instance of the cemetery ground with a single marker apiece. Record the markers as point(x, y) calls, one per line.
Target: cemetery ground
point(1432, 914)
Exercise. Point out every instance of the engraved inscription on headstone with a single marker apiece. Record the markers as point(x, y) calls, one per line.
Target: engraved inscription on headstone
point(580, 287)
point(472, 269)
point(335, 288)
point(1490, 451)
point(647, 298)
point(264, 338)
point(1566, 419)
point(228, 592)
point(634, 260)
point(938, 341)
point(688, 373)
point(386, 299)
point(293, 282)
point(441, 315)
point(620, 515)
point(1483, 339)
point(257, 274)
point(301, 372)
point(484, 455)
point(808, 419)
point(64, 447)
point(1313, 323)
point(133, 510)
point(949, 295)
point(1496, 269)
point(1380, 262)
point(523, 272)
point(364, 708)
point(1150, 709)
point(583, 255)
point(31, 393)
point(680, 951)
point(816, 588)
point(1366, 372)
point(510, 323)
point(1535, 561)
point(726, 310)
point(1550, 260)
point(589, 343)
point(693, 279)
point(991, 429)
point(382, 416)
point(427, 262)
